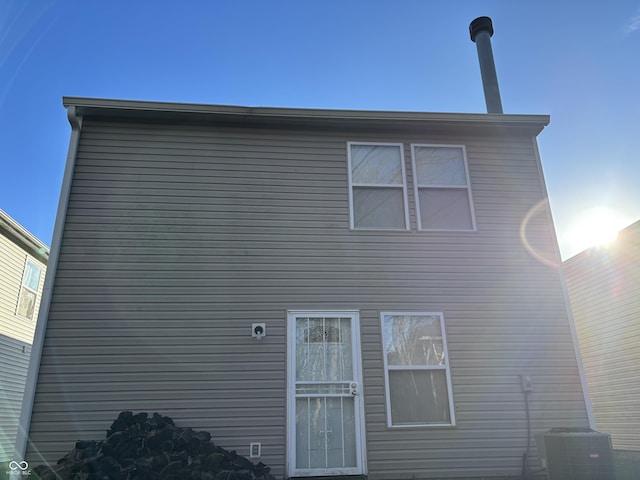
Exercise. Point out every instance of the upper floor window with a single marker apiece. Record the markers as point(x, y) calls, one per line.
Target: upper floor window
point(378, 191)
point(441, 182)
point(29, 290)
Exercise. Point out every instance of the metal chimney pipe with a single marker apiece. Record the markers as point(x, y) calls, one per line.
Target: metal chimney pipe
point(481, 30)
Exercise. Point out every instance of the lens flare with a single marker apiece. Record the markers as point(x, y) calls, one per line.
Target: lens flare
point(598, 226)
point(539, 210)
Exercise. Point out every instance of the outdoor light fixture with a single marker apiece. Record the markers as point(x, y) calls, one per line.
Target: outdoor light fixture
point(259, 330)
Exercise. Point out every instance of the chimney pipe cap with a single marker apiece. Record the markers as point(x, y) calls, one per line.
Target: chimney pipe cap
point(480, 24)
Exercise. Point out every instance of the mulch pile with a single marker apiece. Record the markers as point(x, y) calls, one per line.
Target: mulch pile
point(141, 448)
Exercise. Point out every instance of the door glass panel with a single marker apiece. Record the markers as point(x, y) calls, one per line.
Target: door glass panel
point(325, 409)
point(341, 444)
point(325, 433)
point(303, 429)
point(342, 388)
point(323, 349)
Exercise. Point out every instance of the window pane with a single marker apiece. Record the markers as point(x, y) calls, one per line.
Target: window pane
point(440, 166)
point(445, 208)
point(378, 207)
point(418, 397)
point(31, 276)
point(413, 340)
point(27, 303)
point(376, 164)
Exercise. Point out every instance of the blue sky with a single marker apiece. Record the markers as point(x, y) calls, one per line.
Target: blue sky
point(578, 61)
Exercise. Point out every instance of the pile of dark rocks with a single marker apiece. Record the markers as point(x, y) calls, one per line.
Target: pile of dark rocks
point(139, 447)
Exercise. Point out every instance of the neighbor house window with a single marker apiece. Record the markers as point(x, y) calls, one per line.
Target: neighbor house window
point(417, 377)
point(441, 181)
point(29, 290)
point(378, 193)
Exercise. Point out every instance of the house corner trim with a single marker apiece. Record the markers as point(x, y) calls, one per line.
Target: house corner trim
point(24, 422)
point(565, 294)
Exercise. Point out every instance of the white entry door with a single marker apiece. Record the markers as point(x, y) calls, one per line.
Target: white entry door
point(325, 406)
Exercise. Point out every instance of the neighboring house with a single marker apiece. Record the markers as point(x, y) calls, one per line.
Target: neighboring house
point(603, 287)
point(403, 265)
point(23, 261)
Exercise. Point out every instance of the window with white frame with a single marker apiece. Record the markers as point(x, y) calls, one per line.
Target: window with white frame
point(378, 193)
point(29, 290)
point(417, 377)
point(441, 181)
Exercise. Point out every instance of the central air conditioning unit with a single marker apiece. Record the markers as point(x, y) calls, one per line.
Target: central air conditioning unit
point(576, 454)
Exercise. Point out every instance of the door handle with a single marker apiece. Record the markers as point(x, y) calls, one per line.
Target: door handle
point(354, 388)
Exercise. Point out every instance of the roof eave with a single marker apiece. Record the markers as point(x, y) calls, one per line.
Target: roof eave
point(22, 237)
point(203, 113)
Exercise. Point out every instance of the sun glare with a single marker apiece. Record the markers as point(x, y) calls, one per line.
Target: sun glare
point(596, 227)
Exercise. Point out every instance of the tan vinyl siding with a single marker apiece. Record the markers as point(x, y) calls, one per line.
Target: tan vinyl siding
point(178, 238)
point(12, 262)
point(12, 259)
point(603, 287)
point(16, 335)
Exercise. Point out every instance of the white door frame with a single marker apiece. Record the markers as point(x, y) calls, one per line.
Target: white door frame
point(361, 468)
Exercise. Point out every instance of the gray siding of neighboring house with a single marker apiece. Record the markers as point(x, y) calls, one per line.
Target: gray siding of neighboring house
point(14, 361)
point(178, 237)
point(603, 287)
point(16, 335)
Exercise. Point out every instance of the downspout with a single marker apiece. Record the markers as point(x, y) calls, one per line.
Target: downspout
point(22, 437)
point(565, 294)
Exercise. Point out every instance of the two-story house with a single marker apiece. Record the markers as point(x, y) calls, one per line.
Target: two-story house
point(358, 292)
point(603, 288)
point(23, 262)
